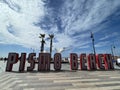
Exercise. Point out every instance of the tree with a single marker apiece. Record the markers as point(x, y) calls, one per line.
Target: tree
point(42, 36)
point(51, 36)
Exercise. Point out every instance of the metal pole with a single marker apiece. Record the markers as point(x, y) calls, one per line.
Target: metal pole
point(113, 51)
point(93, 43)
point(94, 47)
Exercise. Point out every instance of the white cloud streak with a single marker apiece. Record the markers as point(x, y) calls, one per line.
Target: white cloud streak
point(107, 36)
point(82, 15)
point(101, 44)
point(77, 17)
point(17, 27)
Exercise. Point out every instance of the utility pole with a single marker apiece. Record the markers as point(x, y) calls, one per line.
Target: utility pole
point(112, 50)
point(42, 42)
point(112, 47)
point(92, 37)
point(51, 36)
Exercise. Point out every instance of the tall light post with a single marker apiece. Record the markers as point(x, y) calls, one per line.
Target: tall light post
point(51, 36)
point(113, 47)
point(42, 42)
point(92, 37)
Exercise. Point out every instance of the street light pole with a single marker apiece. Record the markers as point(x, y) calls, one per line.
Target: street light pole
point(112, 46)
point(92, 37)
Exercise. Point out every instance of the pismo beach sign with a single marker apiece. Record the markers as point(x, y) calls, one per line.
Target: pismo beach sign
point(87, 62)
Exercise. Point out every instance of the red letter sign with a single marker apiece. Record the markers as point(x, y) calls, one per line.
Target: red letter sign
point(57, 61)
point(44, 62)
point(92, 62)
point(83, 61)
point(31, 61)
point(12, 59)
point(74, 61)
point(22, 62)
point(108, 61)
point(99, 59)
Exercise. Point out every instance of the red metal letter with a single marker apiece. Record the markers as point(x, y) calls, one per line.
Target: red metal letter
point(74, 61)
point(83, 61)
point(31, 61)
point(57, 61)
point(44, 62)
point(99, 60)
point(12, 59)
point(108, 61)
point(92, 62)
point(22, 62)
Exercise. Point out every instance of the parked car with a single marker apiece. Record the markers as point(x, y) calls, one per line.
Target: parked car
point(118, 62)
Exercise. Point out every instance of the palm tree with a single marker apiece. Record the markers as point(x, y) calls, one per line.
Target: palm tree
point(42, 42)
point(51, 36)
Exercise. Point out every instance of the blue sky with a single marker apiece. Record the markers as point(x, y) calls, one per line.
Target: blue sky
point(71, 21)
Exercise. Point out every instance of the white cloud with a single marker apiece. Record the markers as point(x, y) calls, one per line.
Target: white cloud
point(62, 41)
point(107, 36)
point(81, 15)
point(78, 17)
point(25, 33)
point(101, 44)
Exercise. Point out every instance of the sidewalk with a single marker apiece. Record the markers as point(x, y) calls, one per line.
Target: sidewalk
point(63, 80)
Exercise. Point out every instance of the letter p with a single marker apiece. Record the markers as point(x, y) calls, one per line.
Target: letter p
point(12, 59)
